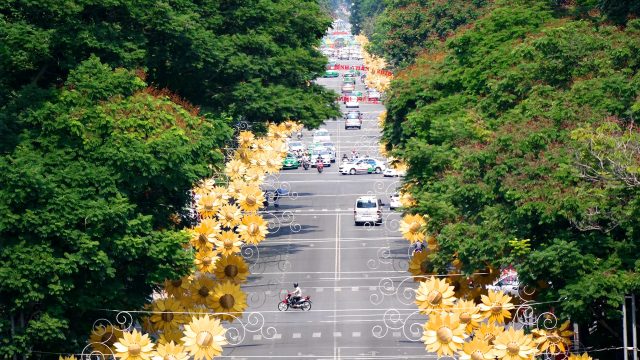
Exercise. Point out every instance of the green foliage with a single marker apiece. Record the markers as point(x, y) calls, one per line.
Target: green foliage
point(363, 15)
point(86, 196)
point(408, 27)
point(205, 51)
point(524, 127)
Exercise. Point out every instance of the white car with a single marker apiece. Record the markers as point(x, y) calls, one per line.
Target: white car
point(321, 135)
point(374, 95)
point(352, 102)
point(324, 154)
point(353, 120)
point(389, 172)
point(367, 209)
point(331, 148)
point(348, 88)
point(358, 166)
point(296, 146)
point(394, 201)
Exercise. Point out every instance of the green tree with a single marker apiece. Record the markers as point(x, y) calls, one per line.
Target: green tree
point(251, 59)
point(523, 126)
point(408, 27)
point(88, 198)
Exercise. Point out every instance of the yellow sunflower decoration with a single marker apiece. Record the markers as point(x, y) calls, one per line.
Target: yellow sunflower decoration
point(134, 346)
point(250, 198)
point(476, 349)
point(253, 229)
point(204, 233)
point(412, 227)
point(229, 298)
point(254, 175)
point(177, 288)
point(207, 206)
point(434, 295)
point(232, 268)
point(554, 341)
point(488, 331)
point(205, 260)
point(443, 334)
point(204, 337)
point(467, 313)
point(70, 357)
point(168, 314)
point(584, 356)
point(234, 169)
point(407, 200)
point(245, 138)
point(228, 243)
point(103, 338)
point(229, 216)
point(513, 344)
point(496, 306)
point(172, 335)
point(170, 351)
point(202, 290)
point(419, 266)
point(235, 188)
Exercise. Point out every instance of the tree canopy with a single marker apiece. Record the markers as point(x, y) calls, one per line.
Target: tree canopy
point(251, 59)
point(90, 201)
point(520, 132)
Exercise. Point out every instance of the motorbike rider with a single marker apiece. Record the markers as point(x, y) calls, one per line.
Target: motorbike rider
point(296, 295)
point(319, 161)
point(344, 157)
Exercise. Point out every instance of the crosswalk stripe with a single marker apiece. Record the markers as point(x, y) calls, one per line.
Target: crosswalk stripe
point(337, 334)
point(297, 335)
point(316, 335)
point(355, 334)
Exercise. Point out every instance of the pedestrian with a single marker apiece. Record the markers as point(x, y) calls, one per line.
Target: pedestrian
point(266, 199)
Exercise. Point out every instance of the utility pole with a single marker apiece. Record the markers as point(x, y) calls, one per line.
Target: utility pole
point(624, 329)
point(634, 330)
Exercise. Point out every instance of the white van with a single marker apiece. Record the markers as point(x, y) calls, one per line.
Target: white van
point(367, 209)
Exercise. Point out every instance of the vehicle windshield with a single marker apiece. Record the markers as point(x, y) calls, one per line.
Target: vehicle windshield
point(352, 116)
point(327, 144)
point(366, 204)
point(321, 133)
point(297, 143)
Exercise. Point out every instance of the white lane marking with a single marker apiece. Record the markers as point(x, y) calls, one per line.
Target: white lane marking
point(355, 288)
point(337, 334)
point(396, 334)
point(257, 337)
point(338, 288)
point(316, 335)
point(373, 288)
point(297, 335)
point(337, 265)
point(319, 289)
point(355, 334)
point(277, 336)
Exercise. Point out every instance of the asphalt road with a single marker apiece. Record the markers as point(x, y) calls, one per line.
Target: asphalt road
point(362, 302)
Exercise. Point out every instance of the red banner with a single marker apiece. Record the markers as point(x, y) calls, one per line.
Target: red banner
point(360, 99)
point(359, 68)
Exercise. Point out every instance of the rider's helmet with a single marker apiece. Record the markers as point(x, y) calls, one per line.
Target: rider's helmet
point(295, 285)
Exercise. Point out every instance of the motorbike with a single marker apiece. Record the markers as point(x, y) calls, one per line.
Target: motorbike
point(305, 165)
point(320, 166)
point(303, 304)
point(299, 135)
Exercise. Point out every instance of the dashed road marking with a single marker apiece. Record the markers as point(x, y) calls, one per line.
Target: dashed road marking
point(373, 288)
point(355, 334)
point(355, 288)
point(257, 337)
point(396, 334)
point(338, 289)
point(297, 335)
point(319, 289)
point(337, 334)
point(316, 335)
point(277, 336)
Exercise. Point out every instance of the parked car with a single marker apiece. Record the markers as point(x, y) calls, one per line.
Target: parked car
point(296, 146)
point(389, 172)
point(290, 162)
point(361, 166)
point(347, 88)
point(349, 80)
point(331, 148)
point(331, 74)
point(367, 209)
point(352, 102)
point(394, 201)
point(321, 135)
point(353, 119)
point(374, 95)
